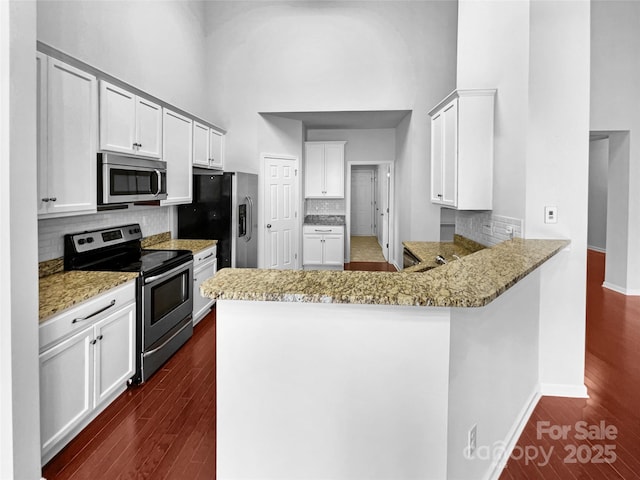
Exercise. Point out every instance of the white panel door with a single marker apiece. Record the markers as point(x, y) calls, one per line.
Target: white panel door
point(450, 154)
point(66, 379)
point(117, 119)
point(334, 170)
point(71, 139)
point(115, 352)
point(177, 152)
point(280, 212)
point(312, 249)
point(149, 128)
point(200, 145)
point(41, 128)
point(362, 208)
point(333, 246)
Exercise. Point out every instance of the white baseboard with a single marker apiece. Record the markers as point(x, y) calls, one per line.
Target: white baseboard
point(513, 435)
point(563, 390)
point(625, 291)
point(597, 249)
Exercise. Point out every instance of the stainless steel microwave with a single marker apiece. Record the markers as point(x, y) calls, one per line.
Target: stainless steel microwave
point(123, 179)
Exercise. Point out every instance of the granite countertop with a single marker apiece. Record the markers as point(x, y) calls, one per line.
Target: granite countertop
point(472, 281)
point(426, 252)
point(63, 290)
point(177, 244)
point(326, 220)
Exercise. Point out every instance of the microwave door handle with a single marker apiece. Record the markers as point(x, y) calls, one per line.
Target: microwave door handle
point(159, 183)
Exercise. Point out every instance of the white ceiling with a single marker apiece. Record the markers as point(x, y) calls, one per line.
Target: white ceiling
point(346, 120)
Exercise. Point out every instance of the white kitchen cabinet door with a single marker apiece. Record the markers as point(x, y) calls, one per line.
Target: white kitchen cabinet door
point(177, 152)
point(216, 149)
point(66, 378)
point(117, 119)
point(67, 151)
point(334, 170)
point(312, 249)
point(114, 352)
point(129, 124)
point(41, 131)
point(202, 305)
point(148, 128)
point(200, 145)
point(324, 170)
point(450, 154)
point(462, 150)
point(314, 170)
point(333, 250)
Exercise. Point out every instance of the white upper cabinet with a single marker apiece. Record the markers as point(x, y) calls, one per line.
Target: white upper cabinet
point(324, 170)
point(462, 150)
point(208, 147)
point(129, 124)
point(178, 153)
point(200, 145)
point(67, 117)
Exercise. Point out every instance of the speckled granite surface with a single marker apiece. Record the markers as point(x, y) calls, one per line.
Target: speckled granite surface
point(472, 281)
point(146, 242)
point(324, 220)
point(176, 244)
point(426, 252)
point(66, 289)
point(49, 267)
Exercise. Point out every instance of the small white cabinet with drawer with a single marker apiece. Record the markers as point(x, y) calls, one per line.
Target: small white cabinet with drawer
point(87, 355)
point(323, 247)
point(204, 267)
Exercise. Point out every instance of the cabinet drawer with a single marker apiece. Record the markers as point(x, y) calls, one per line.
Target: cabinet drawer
point(204, 256)
point(322, 229)
point(85, 314)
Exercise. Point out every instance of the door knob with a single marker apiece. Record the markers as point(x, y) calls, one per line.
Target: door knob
point(268, 225)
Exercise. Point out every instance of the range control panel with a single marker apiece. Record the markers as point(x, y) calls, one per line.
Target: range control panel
point(96, 239)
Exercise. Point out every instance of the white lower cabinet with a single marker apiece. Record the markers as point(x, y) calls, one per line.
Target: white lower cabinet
point(204, 267)
point(83, 368)
point(323, 247)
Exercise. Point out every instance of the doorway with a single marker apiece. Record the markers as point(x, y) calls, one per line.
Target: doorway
point(369, 210)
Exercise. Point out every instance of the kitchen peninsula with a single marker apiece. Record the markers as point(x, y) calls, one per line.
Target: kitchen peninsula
point(324, 374)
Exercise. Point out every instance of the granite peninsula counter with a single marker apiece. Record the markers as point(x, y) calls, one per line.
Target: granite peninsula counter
point(473, 281)
point(350, 375)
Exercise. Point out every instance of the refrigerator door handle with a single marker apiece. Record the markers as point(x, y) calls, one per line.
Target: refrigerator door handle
point(249, 234)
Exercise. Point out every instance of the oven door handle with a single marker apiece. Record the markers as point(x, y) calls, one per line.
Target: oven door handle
point(166, 274)
point(164, 344)
point(159, 182)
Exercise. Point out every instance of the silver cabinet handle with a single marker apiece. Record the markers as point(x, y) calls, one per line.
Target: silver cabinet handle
point(208, 256)
point(100, 337)
point(53, 199)
point(82, 319)
point(322, 231)
point(44, 199)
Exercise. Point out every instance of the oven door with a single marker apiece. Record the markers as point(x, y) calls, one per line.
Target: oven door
point(126, 179)
point(167, 299)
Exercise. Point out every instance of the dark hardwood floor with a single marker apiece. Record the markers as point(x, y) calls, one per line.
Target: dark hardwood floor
point(370, 266)
point(165, 429)
point(612, 376)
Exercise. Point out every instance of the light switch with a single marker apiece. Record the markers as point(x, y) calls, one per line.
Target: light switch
point(550, 214)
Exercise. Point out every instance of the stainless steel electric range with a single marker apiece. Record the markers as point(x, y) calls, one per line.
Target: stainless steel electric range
point(164, 292)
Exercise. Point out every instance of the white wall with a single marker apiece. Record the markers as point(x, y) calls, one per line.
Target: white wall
point(537, 55)
point(333, 56)
point(19, 392)
point(157, 46)
point(363, 145)
point(598, 179)
point(615, 76)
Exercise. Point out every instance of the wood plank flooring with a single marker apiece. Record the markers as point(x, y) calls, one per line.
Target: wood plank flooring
point(165, 429)
point(612, 376)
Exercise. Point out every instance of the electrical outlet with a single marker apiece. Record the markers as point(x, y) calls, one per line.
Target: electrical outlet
point(472, 440)
point(550, 214)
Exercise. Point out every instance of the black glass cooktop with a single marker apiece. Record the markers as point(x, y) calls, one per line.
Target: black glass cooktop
point(143, 261)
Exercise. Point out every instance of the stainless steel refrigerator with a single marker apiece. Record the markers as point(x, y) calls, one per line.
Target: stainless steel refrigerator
point(224, 208)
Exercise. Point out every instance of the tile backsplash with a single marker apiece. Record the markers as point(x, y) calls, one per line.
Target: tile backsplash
point(51, 231)
point(487, 228)
point(320, 206)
